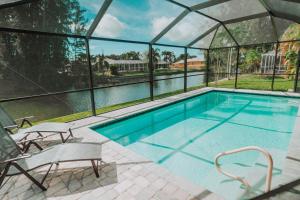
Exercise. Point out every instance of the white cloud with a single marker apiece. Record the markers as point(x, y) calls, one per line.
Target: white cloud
point(182, 32)
point(188, 29)
point(158, 24)
point(109, 26)
point(93, 47)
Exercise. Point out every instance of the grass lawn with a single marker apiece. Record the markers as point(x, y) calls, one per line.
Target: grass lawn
point(256, 82)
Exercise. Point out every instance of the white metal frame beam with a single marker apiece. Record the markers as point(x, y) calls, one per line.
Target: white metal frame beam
point(170, 26)
point(204, 34)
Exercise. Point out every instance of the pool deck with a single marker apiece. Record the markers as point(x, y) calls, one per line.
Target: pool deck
point(127, 175)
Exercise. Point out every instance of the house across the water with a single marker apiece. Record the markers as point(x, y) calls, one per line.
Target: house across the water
point(132, 65)
point(192, 63)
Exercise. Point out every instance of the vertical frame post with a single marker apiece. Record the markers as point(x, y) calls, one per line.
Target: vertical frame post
point(274, 66)
point(90, 76)
point(151, 76)
point(207, 68)
point(237, 67)
point(297, 72)
point(185, 70)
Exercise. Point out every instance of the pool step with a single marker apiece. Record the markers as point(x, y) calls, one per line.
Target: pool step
point(233, 189)
point(225, 186)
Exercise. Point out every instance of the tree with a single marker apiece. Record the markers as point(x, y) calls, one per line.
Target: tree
point(102, 64)
point(220, 63)
point(291, 61)
point(289, 50)
point(252, 60)
point(182, 57)
point(42, 62)
point(155, 56)
point(114, 70)
point(131, 55)
point(168, 56)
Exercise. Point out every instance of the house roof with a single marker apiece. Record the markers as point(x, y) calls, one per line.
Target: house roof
point(190, 60)
point(114, 62)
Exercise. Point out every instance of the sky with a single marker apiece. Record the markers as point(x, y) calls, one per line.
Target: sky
point(141, 20)
point(136, 19)
point(91, 8)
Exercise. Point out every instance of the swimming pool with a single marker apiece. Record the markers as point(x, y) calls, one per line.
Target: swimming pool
point(184, 137)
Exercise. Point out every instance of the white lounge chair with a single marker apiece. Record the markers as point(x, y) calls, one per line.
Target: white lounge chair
point(13, 162)
point(22, 133)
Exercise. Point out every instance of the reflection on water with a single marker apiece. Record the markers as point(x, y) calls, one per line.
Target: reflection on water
point(61, 105)
point(121, 94)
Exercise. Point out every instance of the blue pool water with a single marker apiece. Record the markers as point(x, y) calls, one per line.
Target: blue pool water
point(186, 136)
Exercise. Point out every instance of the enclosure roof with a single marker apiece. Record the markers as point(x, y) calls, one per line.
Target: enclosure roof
point(187, 23)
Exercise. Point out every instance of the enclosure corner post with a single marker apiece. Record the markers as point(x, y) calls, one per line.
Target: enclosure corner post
point(150, 66)
point(274, 66)
point(297, 72)
point(185, 69)
point(91, 85)
point(207, 68)
point(237, 67)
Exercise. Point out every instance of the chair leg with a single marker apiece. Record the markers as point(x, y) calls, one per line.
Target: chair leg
point(3, 174)
point(29, 144)
point(95, 168)
point(65, 139)
point(40, 135)
point(62, 137)
point(71, 133)
point(22, 146)
point(44, 178)
point(25, 121)
point(29, 176)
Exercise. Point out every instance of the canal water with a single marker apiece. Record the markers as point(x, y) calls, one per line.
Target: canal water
point(60, 105)
point(121, 94)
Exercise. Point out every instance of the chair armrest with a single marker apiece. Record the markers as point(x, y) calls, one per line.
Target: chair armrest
point(11, 127)
point(16, 158)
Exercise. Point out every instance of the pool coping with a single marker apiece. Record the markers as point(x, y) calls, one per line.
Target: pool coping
point(289, 165)
point(291, 170)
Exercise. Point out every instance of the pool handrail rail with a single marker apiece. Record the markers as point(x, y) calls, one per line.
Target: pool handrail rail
point(242, 180)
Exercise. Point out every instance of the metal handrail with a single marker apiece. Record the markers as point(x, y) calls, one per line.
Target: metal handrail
point(242, 180)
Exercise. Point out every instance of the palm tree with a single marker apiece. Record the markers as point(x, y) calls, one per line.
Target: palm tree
point(168, 56)
point(252, 60)
point(102, 64)
point(155, 57)
point(131, 55)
